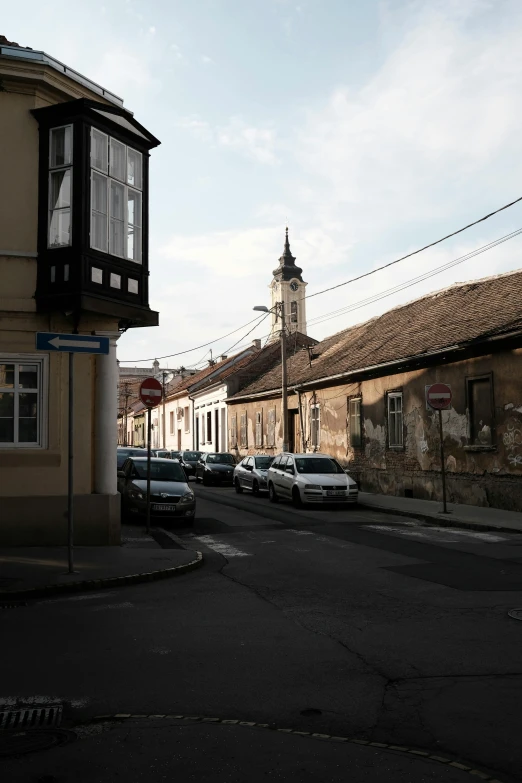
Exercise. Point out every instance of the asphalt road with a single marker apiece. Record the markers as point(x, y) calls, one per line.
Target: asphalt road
point(341, 622)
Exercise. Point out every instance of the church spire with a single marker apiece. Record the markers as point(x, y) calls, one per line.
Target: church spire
point(287, 268)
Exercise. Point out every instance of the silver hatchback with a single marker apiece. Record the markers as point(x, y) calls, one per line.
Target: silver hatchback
point(251, 473)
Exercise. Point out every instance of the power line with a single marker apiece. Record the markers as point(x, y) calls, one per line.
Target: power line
point(196, 347)
point(415, 252)
point(246, 335)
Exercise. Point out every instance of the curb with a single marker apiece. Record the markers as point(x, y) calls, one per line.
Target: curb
point(442, 520)
point(447, 761)
point(96, 584)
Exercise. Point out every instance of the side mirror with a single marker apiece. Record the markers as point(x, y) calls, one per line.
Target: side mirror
point(121, 474)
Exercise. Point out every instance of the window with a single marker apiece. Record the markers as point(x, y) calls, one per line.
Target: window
point(243, 430)
point(479, 391)
point(315, 425)
point(209, 427)
point(354, 408)
point(60, 186)
point(293, 312)
point(116, 207)
point(186, 417)
point(21, 404)
point(259, 428)
point(202, 441)
point(395, 439)
point(171, 418)
point(233, 431)
point(270, 434)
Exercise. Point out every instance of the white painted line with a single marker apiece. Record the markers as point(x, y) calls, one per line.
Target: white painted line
point(443, 534)
point(227, 550)
point(301, 532)
point(124, 605)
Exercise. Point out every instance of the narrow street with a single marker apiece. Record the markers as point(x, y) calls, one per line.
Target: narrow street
point(339, 622)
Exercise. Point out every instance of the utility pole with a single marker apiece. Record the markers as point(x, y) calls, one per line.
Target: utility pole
point(284, 378)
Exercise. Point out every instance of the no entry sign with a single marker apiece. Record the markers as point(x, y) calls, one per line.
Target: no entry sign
point(150, 392)
point(438, 396)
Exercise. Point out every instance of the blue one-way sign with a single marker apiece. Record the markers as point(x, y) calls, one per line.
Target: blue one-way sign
point(71, 343)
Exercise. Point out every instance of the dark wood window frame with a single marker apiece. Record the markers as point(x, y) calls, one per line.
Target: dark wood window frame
point(394, 393)
point(469, 379)
point(350, 400)
point(65, 280)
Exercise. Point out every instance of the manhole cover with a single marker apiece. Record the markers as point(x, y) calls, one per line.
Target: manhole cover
point(516, 614)
point(16, 743)
point(311, 711)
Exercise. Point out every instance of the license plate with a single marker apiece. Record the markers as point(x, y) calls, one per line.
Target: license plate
point(335, 492)
point(163, 507)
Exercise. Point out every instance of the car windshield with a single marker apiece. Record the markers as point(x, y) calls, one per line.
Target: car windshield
point(191, 456)
point(263, 463)
point(122, 454)
point(317, 465)
point(160, 471)
point(221, 459)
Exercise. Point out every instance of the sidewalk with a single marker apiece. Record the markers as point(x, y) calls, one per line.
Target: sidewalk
point(35, 571)
point(475, 517)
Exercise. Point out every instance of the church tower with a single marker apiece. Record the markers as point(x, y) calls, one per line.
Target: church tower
point(289, 287)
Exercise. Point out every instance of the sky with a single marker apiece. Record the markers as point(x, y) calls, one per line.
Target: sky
point(372, 128)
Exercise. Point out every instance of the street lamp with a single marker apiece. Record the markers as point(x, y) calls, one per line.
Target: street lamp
point(279, 309)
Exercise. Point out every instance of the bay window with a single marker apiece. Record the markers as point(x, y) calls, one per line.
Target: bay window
point(116, 199)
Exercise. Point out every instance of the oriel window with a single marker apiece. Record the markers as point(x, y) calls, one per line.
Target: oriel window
point(60, 186)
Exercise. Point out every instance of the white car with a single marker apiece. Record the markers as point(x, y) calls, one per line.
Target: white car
point(310, 478)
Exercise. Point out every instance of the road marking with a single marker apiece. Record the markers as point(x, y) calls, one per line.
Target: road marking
point(449, 535)
point(124, 605)
point(301, 532)
point(227, 550)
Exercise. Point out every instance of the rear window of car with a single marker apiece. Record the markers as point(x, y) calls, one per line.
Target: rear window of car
point(191, 456)
point(221, 459)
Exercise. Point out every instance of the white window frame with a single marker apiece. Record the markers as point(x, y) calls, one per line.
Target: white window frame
point(270, 430)
point(186, 417)
point(243, 435)
point(352, 417)
point(233, 430)
point(42, 361)
point(126, 189)
point(171, 422)
point(52, 170)
point(393, 442)
point(315, 425)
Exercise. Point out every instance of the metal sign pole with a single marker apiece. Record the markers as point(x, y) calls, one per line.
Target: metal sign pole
point(149, 432)
point(70, 467)
point(442, 467)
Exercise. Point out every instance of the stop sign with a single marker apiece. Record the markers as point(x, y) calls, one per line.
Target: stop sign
point(150, 392)
point(438, 396)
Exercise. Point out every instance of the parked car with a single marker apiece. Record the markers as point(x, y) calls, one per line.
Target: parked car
point(189, 461)
point(251, 473)
point(122, 452)
point(214, 468)
point(170, 494)
point(167, 454)
point(310, 478)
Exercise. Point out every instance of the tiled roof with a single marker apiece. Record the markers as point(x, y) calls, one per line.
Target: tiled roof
point(463, 313)
point(5, 42)
point(219, 368)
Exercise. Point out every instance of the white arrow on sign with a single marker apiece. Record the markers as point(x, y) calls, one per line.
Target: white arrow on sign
point(151, 392)
point(57, 343)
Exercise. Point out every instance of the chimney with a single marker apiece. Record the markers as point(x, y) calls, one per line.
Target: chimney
point(256, 344)
point(223, 357)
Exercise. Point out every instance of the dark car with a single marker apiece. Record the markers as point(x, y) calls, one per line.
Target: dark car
point(170, 494)
point(167, 454)
point(123, 452)
point(189, 461)
point(216, 468)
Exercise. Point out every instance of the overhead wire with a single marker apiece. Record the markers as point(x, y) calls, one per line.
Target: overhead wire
point(340, 285)
point(414, 252)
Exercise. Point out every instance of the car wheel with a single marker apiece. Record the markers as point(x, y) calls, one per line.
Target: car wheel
point(238, 487)
point(296, 498)
point(255, 488)
point(272, 494)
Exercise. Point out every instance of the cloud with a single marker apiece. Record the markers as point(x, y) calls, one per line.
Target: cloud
point(259, 144)
point(206, 60)
point(176, 51)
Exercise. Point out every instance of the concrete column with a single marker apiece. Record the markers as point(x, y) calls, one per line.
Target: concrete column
point(105, 420)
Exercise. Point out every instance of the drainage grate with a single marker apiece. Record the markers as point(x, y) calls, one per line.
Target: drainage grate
point(31, 717)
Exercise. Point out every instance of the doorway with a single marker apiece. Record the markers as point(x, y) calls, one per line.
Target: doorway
point(291, 431)
point(179, 440)
point(216, 429)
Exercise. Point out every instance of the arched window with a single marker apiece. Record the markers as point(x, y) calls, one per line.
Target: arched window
point(293, 312)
